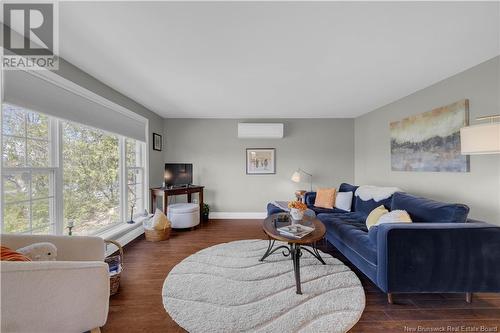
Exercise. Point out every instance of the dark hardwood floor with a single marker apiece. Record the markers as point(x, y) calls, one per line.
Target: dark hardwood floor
point(138, 305)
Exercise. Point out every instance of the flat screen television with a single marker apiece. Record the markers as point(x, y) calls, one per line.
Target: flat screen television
point(178, 174)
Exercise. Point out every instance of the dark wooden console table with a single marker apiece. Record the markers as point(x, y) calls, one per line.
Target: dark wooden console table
point(166, 192)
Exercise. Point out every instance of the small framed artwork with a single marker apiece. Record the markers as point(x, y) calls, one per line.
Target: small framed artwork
point(157, 142)
point(261, 161)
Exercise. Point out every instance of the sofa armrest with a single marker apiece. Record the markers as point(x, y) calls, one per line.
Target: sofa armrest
point(54, 296)
point(309, 198)
point(438, 257)
point(69, 248)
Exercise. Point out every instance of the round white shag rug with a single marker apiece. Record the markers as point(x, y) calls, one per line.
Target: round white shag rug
point(225, 288)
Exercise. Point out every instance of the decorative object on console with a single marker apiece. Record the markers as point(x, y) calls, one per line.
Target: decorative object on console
point(260, 161)
point(482, 138)
point(343, 200)
point(297, 209)
point(297, 177)
point(157, 142)
point(43, 251)
point(430, 141)
point(325, 198)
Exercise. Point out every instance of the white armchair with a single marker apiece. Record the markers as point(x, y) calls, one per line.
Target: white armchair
point(67, 295)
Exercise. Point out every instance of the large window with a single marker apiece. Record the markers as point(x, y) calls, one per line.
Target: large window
point(27, 172)
point(55, 172)
point(91, 178)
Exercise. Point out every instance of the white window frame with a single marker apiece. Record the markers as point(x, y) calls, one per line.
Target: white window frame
point(56, 211)
point(51, 170)
point(140, 155)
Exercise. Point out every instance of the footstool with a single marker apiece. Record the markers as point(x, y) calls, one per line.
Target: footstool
point(183, 215)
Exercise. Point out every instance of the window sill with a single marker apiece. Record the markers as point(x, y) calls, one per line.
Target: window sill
point(123, 233)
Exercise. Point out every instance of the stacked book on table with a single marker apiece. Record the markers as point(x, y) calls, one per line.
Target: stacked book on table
point(295, 231)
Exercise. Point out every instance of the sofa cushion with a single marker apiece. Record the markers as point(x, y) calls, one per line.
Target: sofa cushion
point(349, 217)
point(344, 200)
point(325, 198)
point(353, 234)
point(375, 215)
point(427, 210)
point(345, 187)
point(365, 207)
point(319, 210)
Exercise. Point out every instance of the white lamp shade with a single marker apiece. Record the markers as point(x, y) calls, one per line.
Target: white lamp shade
point(296, 177)
point(480, 139)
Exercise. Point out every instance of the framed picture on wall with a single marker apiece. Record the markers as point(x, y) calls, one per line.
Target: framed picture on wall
point(157, 142)
point(261, 161)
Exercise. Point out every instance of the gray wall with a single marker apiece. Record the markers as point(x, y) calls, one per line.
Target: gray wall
point(323, 147)
point(480, 188)
point(74, 74)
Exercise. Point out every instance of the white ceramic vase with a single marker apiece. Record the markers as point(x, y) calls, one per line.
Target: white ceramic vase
point(297, 214)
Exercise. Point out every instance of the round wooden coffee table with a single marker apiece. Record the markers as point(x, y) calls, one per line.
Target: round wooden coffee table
point(295, 245)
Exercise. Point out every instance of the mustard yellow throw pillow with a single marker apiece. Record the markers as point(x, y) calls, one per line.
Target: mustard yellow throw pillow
point(325, 198)
point(375, 215)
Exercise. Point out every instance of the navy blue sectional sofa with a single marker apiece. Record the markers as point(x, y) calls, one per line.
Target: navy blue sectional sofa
point(441, 251)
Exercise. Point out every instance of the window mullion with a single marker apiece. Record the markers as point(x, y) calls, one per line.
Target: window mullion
point(26, 140)
point(57, 179)
point(30, 197)
point(123, 179)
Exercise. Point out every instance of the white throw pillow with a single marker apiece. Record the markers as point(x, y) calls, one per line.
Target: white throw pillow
point(343, 201)
point(44, 251)
point(396, 216)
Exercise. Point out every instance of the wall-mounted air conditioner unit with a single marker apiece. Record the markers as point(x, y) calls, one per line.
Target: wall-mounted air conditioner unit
point(260, 130)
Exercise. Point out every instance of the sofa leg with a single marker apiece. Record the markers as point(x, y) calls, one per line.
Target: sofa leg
point(389, 298)
point(468, 297)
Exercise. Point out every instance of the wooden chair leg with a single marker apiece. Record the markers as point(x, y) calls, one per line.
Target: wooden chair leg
point(468, 297)
point(389, 298)
point(95, 330)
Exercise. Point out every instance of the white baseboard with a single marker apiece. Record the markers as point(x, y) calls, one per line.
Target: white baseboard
point(237, 215)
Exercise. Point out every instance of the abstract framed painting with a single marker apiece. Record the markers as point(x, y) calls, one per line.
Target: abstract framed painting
point(430, 141)
point(260, 161)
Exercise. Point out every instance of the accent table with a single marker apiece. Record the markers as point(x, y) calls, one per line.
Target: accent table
point(165, 192)
point(295, 245)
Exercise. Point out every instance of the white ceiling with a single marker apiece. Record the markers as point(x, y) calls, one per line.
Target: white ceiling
point(275, 59)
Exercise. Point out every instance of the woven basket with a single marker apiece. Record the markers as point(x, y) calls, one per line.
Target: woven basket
point(114, 279)
point(157, 235)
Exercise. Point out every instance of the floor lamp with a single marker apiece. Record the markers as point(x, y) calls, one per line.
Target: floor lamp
point(297, 178)
point(481, 139)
